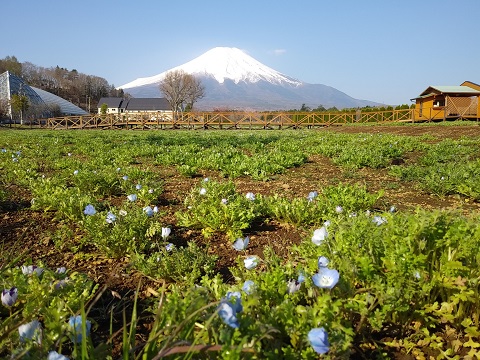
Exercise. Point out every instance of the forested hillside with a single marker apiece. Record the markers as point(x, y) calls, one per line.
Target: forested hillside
point(81, 89)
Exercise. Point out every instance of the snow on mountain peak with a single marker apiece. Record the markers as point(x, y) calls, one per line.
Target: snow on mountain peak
point(224, 63)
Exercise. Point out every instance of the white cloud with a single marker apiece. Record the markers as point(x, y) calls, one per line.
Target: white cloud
point(279, 51)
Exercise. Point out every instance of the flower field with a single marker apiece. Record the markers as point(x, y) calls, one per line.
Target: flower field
point(360, 242)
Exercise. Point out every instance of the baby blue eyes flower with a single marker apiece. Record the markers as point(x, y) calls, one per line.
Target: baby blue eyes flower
point(169, 247)
point(322, 261)
point(392, 209)
point(132, 197)
point(293, 286)
point(30, 269)
point(339, 209)
point(75, 172)
point(31, 331)
point(53, 355)
point(111, 218)
point(250, 262)
point(166, 232)
point(203, 191)
point(150, 191)
point(89, 210)
point(75, 324)
point(248, 287)
point(125, 177)
point(9, 296)
point(122, 213)
point(319, 235)
point(250, 196)
point(206, 179)
point(61, 270)
point(118, 169)
point(148, 210)
point(138, 187)
point(326, 278)
point(301, 278)
point(379, 220)
point(318, 338)
point(241, 244)
point(224, 201)
point(235, 298)
point(228, 314)
point(312, 195)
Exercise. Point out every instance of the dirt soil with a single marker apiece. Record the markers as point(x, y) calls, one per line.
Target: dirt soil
point(29, 233)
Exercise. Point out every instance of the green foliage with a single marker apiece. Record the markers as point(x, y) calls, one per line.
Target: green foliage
point(448, 167)
point(408, 276)
point(209, 213)
point(181, 265)
point(51, 298)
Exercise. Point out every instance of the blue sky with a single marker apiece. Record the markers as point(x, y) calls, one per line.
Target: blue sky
point(381, 50)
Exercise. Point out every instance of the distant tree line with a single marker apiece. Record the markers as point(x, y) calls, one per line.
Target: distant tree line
point(80, 89)
point(333, 109)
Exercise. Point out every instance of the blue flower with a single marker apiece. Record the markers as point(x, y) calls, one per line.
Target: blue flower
point(75, 324)
point(293, 286)
point(203, 191)
point(339, 209)
point(31, 331)
point(322, 261)
point(169, 247)
point(125, 177)
point(166, 232)
point(132, 197)
point(61, 270)
point(235, 298)
point(75, 172)
point(312, 195)
point(138, 187)
point(241, 244)
point(89, 210)
point(228, 314)
point(301, 278)
point(148, 210)
point(53, 355)
point(318, 338)
point(250, 262)
point(379, 220)
point(326, 278)
point(248, 287)
point(30, 269)
point(250, 196)
point(111, 218)
point(9, 296)
point(319, 235)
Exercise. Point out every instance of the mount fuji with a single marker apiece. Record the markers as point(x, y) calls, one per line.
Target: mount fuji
point(234, 80)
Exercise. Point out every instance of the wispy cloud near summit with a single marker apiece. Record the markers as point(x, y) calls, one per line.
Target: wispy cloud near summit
point(279, 52)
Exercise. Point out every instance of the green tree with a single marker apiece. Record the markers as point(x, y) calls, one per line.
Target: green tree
point(103, 109)
point(11, 64)
point(20, 104)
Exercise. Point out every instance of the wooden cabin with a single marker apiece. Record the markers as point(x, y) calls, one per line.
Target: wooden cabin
point(449, 102)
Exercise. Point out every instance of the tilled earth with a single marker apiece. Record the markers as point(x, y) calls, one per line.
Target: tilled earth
point(30, 233)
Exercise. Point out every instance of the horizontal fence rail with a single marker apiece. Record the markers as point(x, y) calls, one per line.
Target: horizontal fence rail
point(240, 120)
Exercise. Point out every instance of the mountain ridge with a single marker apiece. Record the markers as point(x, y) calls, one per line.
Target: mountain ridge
point(235, 80)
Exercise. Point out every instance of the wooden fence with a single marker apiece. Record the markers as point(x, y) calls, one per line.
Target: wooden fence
point(238, 120)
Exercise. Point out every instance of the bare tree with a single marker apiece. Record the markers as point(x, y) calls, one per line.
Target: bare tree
point(181, 90)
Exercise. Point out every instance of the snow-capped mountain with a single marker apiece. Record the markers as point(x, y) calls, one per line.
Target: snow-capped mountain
point(235, 80)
